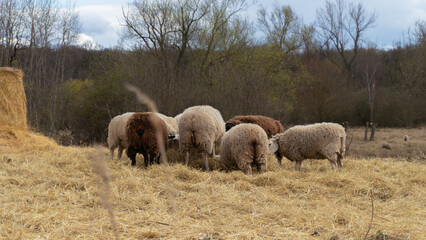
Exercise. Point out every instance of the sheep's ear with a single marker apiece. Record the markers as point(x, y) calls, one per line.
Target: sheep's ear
point(273, 145)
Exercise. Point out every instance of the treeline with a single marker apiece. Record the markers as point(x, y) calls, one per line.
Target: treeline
point(192, 52)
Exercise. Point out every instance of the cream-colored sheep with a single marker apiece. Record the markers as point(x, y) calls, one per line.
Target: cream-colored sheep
point(315, 141)
point(200, 127)
point(177, 117)
point(117, 134)
point(244, 145)
point(171, 123)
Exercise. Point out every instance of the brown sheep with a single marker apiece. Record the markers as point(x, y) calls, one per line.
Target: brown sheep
point(271, 126)
point(142, 137)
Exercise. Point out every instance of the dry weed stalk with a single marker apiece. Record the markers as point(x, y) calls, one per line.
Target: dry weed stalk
point(100, 169)
point(372, 215)
point(144, 99)
point(349, 145)
point(152, 107)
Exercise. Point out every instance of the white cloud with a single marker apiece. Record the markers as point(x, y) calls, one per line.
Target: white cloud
point(102, 22)
point(101, 18)
point(86, 41)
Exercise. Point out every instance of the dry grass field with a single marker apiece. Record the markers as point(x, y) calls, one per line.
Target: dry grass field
point(412, 149)
point(52, 192)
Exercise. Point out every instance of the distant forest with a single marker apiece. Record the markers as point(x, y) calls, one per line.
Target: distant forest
point(192, 52)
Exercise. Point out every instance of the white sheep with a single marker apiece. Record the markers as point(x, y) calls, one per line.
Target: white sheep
point(244, 145)
point(200, 127)
point(177, 117)
point(117, 134)
point(315, 141)
point(171, 123)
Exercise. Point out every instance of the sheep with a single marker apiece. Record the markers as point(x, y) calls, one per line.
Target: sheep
point(171, 123)
point(386, 145)
point(117, 134)
point(315, 141)
point(177, 117)
point(142, 136)
point(200, 127)
point(244, 145)
point(271, 126)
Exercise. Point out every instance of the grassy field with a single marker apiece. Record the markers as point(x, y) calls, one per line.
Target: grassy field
point(52, 192)
point(412, 149)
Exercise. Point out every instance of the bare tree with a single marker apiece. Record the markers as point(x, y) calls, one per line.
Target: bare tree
point(151, 23)
point(343, 25)
point(370, 77)
point(283, 28)
point(11, 29)
point(420, 31)
point(166, 27)
point(188, 15)
point(223, 32)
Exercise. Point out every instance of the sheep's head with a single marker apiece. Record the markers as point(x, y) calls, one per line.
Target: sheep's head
point(228, 126)
point(273, 145)
point(232, 123)
point(273, 148)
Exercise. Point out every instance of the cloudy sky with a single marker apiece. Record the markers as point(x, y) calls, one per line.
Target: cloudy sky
point(101, 19)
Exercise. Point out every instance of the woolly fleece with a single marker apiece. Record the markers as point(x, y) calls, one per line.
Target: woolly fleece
point(142, 137)
point(171, 123)
point(315, 141)
point(271, 126)
point(200, 127)
point(117, 134)
point(244, 145)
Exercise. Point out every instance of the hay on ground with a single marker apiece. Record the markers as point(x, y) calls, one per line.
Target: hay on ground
point(13, 108)
point(53, 195)
point(14, 135)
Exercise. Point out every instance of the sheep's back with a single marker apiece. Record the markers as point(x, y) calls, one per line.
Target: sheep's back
point(171, 124)
point(270, 125)
point(148, 142)
point(205, 123)
point(307, 140)
point(117, 130)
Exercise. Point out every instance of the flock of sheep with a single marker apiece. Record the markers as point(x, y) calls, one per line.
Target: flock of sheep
point(245, 141)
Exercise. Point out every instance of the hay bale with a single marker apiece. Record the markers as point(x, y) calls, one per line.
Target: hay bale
point(13, 108)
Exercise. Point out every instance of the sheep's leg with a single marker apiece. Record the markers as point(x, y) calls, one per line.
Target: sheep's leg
point(131, 153)
point(158, 159)
point(261, 168)
point(151, 159)
point(146, 159)
point(214, 152)
point(339, 160)
point(332, 163)
point(279, 157)
point(111, 154)
point(247, 169)
point(298, 165)
point(206, 161)
point(132, 157)
point(120, 152)
point(187, 158)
